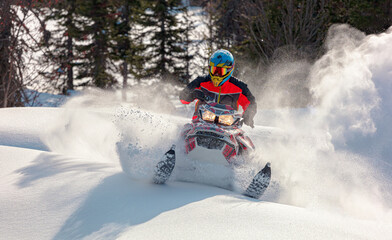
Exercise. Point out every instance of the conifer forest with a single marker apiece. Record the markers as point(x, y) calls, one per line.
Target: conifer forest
point(63, 45)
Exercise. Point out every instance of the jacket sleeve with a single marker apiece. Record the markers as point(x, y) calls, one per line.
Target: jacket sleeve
point(248, 101)
point(186, 95)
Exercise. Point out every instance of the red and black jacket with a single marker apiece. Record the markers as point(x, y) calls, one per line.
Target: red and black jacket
point(233, 92)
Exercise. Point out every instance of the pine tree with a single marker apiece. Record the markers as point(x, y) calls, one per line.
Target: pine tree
point(208, 39)
point(127, 46)
point(188, 43)
point(167, 44)
point(227, 20)
point(370, 16)
point(95, 64)
point(60, 42)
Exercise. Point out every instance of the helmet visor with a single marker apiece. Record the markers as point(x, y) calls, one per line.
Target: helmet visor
point(218, 71)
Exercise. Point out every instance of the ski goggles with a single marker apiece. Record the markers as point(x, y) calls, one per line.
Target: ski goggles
point(219, 71)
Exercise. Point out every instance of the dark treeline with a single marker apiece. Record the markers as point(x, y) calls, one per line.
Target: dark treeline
point(106, 42)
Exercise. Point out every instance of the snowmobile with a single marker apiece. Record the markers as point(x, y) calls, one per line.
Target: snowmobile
point(216, 131)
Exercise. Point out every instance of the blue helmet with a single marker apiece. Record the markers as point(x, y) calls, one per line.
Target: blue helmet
point(221, 67)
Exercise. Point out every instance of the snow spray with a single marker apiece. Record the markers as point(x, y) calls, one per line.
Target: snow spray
point(334, 155)
point(337, 153)
point(85, 128)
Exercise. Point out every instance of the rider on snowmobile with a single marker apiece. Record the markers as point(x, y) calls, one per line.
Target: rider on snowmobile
point(225, 89)
point(222, 87)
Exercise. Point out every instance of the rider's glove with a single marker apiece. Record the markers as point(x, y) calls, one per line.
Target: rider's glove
point(199, 94)
point(248, 118)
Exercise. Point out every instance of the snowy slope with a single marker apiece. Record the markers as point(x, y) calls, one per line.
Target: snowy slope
point(46, 195)
point(83, 171)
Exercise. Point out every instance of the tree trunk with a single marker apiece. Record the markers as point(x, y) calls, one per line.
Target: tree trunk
point(5, 54)
point(162, 50)
point(125, 80)
point(70, 85)
point(390, 11)
point(126, 49)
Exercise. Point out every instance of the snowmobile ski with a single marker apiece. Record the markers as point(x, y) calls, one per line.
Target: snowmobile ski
point(165, 167)
point(259, 183)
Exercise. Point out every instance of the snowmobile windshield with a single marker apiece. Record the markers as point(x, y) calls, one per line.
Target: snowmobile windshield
point(223, 107)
